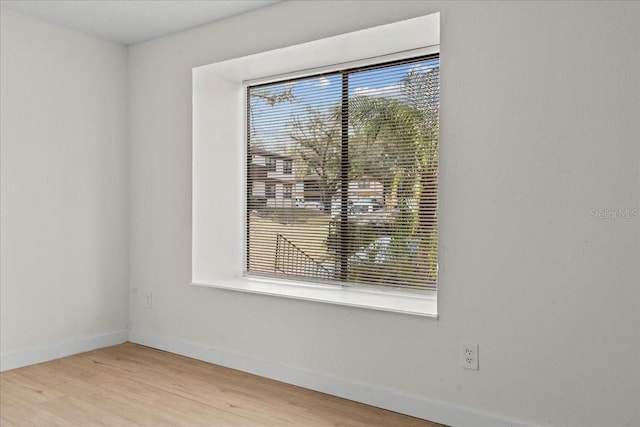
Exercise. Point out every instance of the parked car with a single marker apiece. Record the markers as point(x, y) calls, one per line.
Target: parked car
point(362, 211)
point(301, 203)
point(378, 250)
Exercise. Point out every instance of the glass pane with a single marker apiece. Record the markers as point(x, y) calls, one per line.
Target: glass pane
point(294, 157)
point(393, 169)
point(298, 160)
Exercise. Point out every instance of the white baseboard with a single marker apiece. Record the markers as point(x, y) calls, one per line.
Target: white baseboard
point(44, 354)
point(380, 397)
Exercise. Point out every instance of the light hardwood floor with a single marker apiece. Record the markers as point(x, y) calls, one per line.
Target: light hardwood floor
point(132, 385)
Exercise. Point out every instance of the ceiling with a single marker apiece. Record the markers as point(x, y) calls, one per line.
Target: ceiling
point(132, 21)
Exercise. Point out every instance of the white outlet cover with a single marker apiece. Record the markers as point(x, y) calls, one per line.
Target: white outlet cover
point(469, 356)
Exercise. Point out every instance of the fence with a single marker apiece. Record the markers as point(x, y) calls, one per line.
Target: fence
point(293, 261)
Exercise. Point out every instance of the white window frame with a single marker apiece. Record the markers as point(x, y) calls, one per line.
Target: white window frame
point(287, 191)
point(219, 156)
point(271, 163)
point(270, 190)
point(287, 167)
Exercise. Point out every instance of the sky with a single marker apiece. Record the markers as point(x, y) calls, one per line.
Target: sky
point(271, 124)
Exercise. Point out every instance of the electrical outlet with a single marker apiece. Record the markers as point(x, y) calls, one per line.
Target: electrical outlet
point(469, 356)
point(148, 300)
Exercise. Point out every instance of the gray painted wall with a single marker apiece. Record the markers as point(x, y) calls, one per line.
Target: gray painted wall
point(540, 106)
point(64, 242)
point(539, 127)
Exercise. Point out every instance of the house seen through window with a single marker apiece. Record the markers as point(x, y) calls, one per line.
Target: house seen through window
point(342, 176)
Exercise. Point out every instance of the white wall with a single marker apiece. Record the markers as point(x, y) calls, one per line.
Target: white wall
point(539, 126)
point(64, 280)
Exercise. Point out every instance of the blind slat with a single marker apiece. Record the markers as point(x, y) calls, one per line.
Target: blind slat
point(371, 133)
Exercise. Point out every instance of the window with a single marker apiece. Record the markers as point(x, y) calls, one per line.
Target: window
point(287, 167)
point(269, 191)
point(287, 191)
point(219, 250)
point(380, 122)
point(271, 164)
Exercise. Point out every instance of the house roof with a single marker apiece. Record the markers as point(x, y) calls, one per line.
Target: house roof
point(265, 153)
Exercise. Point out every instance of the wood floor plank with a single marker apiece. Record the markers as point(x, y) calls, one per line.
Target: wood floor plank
point(6, 423)
point(132, 385)
point(194, 395)
point(128, 406)
point(15, 410)
point(236, 396)
point(28, 390)
point(80, 412)
point(179, 410)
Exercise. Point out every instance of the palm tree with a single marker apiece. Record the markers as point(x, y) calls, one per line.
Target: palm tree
point(393, 139)
point(396, 140)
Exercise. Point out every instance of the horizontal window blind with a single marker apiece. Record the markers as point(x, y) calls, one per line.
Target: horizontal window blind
point(342, 176)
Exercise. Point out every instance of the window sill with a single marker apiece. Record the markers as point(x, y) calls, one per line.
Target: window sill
point(398, 301)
